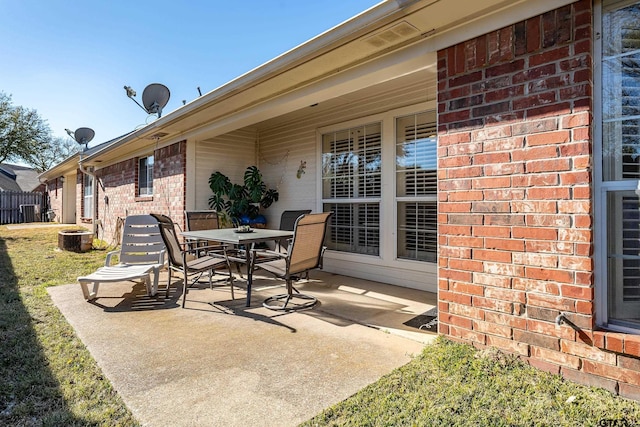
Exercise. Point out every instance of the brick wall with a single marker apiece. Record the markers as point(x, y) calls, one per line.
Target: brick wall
point(515, 209)
point(55, 198)
point(118, 184)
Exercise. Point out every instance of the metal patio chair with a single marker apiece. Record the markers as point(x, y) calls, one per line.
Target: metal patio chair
point(208, 220)
point(192, 261)
point(288, 222)
point(304, 253)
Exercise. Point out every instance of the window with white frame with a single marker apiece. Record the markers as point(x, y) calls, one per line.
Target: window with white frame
point(87, 202)
point(416, 186)
point(619, 156)
point(351, 188)
point(145, 176)
point(354, 161)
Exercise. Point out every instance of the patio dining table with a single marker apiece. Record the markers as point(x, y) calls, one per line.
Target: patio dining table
point(235, 237)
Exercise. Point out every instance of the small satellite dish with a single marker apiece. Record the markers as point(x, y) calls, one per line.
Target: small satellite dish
point(155, 97)
point(83, 135)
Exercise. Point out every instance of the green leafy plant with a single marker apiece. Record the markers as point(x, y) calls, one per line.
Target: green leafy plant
point(239, 201)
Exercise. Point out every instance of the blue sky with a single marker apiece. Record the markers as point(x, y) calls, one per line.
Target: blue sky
point(70, 60)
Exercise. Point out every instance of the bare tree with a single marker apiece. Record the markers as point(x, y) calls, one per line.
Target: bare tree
point(52, 152)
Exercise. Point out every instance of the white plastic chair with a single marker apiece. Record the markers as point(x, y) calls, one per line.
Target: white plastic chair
point(141, 253)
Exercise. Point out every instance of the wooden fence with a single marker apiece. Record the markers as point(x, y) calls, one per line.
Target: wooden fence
point(20, 206)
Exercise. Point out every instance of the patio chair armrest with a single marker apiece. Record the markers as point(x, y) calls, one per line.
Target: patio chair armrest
point(107, 261)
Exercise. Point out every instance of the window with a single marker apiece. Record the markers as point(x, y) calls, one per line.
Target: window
point(618, 179)
point(416, 186)
point(87, 207)
point(145, 176)
point(351, 188)
point(354, 162)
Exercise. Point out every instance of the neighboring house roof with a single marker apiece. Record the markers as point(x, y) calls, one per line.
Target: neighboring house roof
point(18, 178)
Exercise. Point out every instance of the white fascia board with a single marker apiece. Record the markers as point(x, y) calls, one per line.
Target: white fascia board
point(69, 164)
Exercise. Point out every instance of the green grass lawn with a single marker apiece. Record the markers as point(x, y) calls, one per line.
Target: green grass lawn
point(452, 384)
point(48, 378)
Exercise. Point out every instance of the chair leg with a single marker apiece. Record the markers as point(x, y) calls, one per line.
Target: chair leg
point(239, 270)
point(147, 284)
point(85, 291)
point(166, 293)
point(184, 289)
point(152, 287)
point(231, 278)
point(94, 293)
point(231, 284)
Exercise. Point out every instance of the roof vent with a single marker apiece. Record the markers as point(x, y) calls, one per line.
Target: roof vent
point(401, 31)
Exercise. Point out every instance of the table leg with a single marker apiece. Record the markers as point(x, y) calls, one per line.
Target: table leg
point(249, 274)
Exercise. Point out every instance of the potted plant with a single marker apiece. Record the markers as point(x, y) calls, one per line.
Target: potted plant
point(241, 203)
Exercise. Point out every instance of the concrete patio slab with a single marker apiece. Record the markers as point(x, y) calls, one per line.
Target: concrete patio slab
point(218, 362)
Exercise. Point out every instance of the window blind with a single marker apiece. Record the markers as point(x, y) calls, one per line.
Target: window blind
point(631, 249)
point(416, 171)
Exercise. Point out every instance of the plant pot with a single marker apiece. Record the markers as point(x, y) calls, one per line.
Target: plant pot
point(75, 240)
point(258, 222)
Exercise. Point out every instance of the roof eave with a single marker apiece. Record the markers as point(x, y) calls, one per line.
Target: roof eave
point(310, 49)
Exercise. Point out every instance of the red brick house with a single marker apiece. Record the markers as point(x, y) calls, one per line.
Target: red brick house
point(483, 150)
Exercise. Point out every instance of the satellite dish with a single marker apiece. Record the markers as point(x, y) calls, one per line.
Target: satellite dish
point(83, 135)
point(155, 98)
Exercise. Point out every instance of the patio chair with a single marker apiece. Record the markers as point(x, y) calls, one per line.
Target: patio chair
point(208, 220)
point(287, 222)
point(304, 253)
point(201, 220)
point(141, 253)
point(192, 261)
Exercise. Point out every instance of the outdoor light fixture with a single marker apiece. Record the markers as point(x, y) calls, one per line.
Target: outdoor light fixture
point(154, 98)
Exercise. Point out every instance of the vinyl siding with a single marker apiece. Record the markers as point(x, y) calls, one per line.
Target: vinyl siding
point(284, 145)
point(230, 154)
